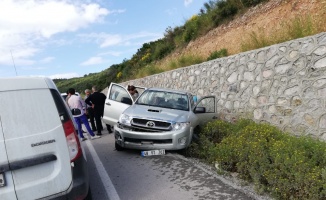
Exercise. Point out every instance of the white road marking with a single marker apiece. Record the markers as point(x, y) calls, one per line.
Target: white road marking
point(106, 181)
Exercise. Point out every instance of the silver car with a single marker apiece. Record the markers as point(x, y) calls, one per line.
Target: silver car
point(158, 119)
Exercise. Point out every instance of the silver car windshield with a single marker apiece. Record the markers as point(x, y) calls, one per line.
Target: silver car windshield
point(164, 99)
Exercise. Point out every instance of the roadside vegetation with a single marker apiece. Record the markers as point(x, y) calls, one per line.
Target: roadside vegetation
point(80, 84)
point(277, 163)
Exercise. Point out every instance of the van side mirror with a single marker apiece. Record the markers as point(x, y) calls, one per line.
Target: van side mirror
point(200, 110)
point(126, 100)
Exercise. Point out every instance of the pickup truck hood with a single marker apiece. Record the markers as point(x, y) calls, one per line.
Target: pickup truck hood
point(157, 113)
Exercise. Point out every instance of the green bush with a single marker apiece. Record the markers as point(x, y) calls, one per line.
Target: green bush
point(214, 132)
point(218, 54)
point(286, 166)
point(298, 169)
point(148, 70)
point(184, 61)
point(249, 3)
point(299, 27)
point(161, 50)
point(227, 9)
point(191, 29)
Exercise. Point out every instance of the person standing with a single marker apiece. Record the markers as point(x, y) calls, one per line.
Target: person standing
point(134, 93)
point(97, 101)
point(90, 111)
point(67, 97)
point(77, 105)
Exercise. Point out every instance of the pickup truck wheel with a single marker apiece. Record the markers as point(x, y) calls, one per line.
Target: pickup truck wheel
point(195, 136)
point(118, 147)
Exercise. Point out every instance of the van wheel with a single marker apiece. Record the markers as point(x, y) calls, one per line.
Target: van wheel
point(118, 147)
point(89, 195)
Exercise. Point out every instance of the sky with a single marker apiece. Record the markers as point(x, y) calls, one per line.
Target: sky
point(71, 38)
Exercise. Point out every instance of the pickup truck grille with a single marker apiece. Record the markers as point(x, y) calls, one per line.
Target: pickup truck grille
point(150, 125)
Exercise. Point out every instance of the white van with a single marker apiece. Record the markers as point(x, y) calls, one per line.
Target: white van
point(40, 154)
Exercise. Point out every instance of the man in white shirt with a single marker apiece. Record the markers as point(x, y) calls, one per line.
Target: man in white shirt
point(77, 106)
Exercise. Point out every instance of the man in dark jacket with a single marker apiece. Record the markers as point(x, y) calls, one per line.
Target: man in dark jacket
point(97, 101)
point(90, 111)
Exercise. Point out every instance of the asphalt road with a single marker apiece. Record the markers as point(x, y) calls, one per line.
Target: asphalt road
point(126, 175)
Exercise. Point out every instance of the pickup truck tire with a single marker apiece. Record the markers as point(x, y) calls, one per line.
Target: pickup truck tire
point(195, 136)
point(118, 147)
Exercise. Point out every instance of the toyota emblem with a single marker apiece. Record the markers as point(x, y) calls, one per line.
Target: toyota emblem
point(150, 124)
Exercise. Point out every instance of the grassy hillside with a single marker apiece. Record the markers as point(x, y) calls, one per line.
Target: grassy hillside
point(101, 79)
point(221, 28)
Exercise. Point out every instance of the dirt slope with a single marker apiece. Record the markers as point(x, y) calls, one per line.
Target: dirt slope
point(266, 17)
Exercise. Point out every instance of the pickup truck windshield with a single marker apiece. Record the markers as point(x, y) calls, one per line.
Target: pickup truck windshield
point(164, 99)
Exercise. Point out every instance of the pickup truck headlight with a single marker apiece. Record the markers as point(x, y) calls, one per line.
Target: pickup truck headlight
point(180, 125)
point(125, 119)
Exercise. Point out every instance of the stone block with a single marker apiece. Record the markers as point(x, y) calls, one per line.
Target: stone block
point(258, 113)
point(271, 62)
point(309, 119)
point(251, 65)
point(233, 77)
point(320, 51)
point(322, 92)
point(296, 101)
point(291, 91)
point(281, 69)
point(321, 63)
point(322, 122)
point(320, 83)
point(248, 76)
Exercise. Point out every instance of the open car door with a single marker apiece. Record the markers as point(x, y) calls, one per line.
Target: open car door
point(206, 109)
point(118, 99)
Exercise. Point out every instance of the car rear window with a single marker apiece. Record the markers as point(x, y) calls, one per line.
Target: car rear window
point(62, 109)
point(28, 112)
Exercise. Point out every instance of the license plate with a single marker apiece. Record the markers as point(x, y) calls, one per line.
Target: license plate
point(2, 180)
point(153, 152)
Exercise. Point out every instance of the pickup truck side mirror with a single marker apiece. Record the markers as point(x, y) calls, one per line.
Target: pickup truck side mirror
point(126, 100)
point(200, 110)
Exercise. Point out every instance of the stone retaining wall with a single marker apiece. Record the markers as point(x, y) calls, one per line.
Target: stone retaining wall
point(283, 84)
